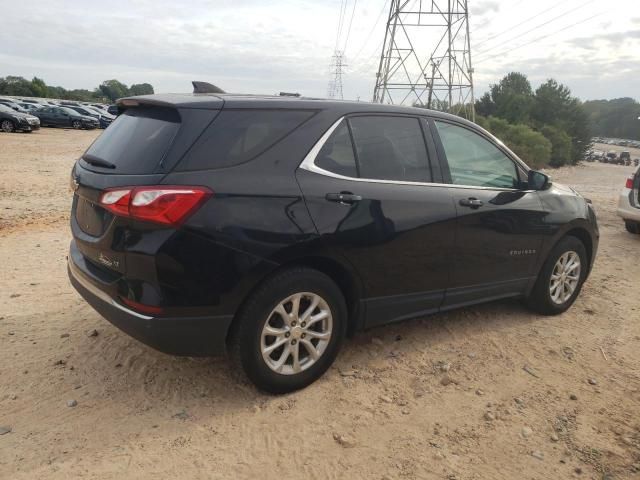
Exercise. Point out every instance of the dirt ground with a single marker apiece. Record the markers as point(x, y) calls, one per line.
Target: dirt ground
point(489, 392)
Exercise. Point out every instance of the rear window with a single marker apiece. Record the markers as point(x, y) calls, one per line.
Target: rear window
point(137, 140)
point(237, 136)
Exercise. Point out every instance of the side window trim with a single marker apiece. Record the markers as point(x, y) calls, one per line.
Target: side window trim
point(444, 163)
point(308, 163)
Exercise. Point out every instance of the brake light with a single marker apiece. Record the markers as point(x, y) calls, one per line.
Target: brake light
point(165, 204)
point(629, 183)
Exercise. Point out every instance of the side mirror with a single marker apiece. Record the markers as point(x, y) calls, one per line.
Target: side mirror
point(538, 180)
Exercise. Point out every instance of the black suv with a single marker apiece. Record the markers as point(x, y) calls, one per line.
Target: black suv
point(274, 226)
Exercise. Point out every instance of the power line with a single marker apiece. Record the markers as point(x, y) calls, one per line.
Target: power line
point(384, 8)
point(343, 8)
point(353, 12)
point(536, 27)
point(540, 38)
point(482, 42)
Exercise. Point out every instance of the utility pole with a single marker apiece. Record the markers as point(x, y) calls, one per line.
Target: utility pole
point(335, 84)
point(422, 36)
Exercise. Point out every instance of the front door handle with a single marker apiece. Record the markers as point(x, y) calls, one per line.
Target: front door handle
point(471, 202)
point(346, 198)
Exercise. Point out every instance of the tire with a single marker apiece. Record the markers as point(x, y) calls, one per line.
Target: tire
point(541, 298)
point(76, 124)
point(248, 338)
point(7, 126)
point(632, 227)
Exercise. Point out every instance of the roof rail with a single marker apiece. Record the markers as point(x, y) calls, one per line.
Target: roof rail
point(204, 87)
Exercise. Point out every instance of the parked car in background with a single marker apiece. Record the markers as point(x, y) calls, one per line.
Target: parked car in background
point(273, 226)
point(30, 107)
point(12, 121)
point(13, 105)
point(65, 117)
point(103, 117)
point(611, 157)
point(100, 106)
point(113, 110)
point(629, 203)
point(625, 158)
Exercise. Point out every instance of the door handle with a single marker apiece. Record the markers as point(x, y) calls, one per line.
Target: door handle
point(345, 198)
point(471, 202)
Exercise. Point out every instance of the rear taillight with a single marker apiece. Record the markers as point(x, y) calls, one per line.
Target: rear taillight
point(165, 204)
point(629, 183)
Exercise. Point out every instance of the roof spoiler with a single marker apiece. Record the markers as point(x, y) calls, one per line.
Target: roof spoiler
point(204, 87)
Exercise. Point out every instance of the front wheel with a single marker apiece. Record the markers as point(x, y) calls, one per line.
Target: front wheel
point(7, 126)
point(290, 330)
point(76, 124)
point(561, 278)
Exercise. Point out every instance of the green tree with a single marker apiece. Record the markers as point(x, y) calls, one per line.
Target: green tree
point(141, 89)
point(554, 106)
point(38, 87)
point(617, 118)
point(114, 89)
point(561, 146)
point(512, 98)
point(18, 86)
point(531, 146)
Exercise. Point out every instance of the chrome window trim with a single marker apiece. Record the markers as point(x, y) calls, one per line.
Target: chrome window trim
point(308, 163)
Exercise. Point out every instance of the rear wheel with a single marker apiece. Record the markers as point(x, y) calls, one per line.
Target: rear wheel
point(290, 330)
point(632, 227)
point(561, 278)
point(7, 126)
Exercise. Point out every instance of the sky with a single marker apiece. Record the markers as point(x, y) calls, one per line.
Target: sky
point(268, 46)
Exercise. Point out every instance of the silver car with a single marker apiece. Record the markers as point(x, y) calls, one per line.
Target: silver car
point(629, 203)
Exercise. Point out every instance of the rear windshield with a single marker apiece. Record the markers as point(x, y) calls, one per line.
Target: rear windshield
point(136, 142)
point(237, 136)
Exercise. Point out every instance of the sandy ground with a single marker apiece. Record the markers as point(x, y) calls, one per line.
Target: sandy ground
point(489, 392)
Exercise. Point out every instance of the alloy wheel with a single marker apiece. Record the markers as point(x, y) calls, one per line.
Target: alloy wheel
point(296, 333)
point(565, 277)
point(76, 124)
point(7, 126)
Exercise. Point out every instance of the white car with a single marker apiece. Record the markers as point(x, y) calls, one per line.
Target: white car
point(629, 203)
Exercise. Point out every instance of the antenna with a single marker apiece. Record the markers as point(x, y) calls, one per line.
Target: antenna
point(426, 57)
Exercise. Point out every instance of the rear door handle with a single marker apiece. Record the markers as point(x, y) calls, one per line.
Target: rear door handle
point(346, 198)
point(471, 202)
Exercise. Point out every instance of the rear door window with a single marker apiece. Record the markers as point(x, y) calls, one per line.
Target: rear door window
point(237, 136)
point(390, 148)
point(336, 155)
point(136, 142)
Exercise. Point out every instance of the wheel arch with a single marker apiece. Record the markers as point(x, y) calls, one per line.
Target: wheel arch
point(344, 277)
point(583, 235)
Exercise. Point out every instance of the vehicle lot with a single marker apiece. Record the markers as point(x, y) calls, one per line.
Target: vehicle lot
point(484, 392)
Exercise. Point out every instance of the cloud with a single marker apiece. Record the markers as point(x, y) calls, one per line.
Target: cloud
point(485, 7)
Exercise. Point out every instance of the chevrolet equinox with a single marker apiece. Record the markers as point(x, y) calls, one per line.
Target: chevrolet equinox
point(272, 227)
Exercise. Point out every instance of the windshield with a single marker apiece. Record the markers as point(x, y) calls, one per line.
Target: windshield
point(4, 108)
point(68, 110)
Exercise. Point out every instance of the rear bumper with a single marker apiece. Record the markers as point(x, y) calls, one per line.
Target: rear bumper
point(625, 209)
point(191, 336)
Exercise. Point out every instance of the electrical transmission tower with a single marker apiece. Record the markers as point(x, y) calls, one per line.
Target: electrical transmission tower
point(335, 84)
point(426, 57)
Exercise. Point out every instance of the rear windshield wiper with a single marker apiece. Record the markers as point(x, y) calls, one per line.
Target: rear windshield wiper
point(97, 161)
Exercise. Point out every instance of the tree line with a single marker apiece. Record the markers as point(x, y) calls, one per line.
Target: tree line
point(547, 126)
point(107, 91)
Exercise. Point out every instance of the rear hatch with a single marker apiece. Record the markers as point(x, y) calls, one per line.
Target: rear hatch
point(139, 148)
